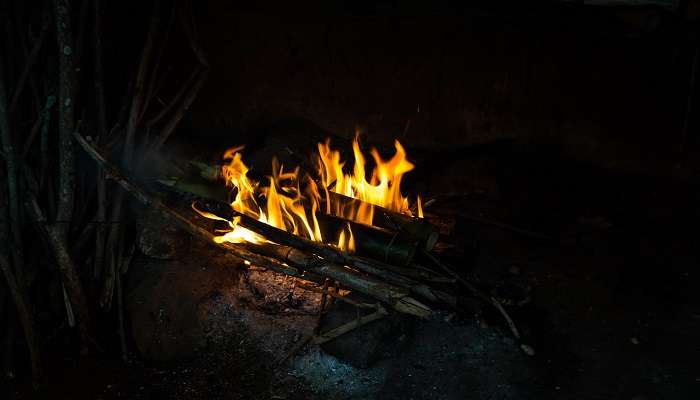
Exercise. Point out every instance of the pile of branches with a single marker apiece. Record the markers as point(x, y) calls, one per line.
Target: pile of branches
point(407, 288)
point(52, 86)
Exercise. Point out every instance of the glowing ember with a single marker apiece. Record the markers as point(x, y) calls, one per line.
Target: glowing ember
point(283, 204)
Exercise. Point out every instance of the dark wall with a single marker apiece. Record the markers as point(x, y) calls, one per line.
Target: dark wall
point(601, 86)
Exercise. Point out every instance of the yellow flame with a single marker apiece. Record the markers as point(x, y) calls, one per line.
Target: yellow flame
point(346, 241)
point(291, 209)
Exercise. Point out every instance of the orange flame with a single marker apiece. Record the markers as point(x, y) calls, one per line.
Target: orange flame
point(289, 208)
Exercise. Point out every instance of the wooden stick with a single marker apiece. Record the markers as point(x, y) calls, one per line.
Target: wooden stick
point(181, 110)
point(101, 184)
point(155, 73)
point(394, 296)
point(31, 60)
point(322, 306)
point(175, 100)
point(66, 266)
point(66, 112)
point(190, 31)
point(332, 254)
point(337, 296)
point(36, 128)
point(488, 299)
point(350, 326)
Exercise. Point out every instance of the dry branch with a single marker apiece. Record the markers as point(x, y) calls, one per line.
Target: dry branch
point(398, 298)
point(337, 296)
point(56, 240)
point(331, 254)
point(350, 326)
point(182, 109)
point(31, 59)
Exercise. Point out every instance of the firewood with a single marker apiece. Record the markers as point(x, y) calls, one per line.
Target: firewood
point(394, 296)
point(379, 269)
point(337, 296)
point(419, 228)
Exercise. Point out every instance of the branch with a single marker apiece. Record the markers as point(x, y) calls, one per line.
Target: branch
point(56, 240)
point(184, 106)
point(66, 119)
point(31, 59)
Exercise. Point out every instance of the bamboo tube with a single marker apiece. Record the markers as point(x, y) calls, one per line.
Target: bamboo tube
point(419, 228)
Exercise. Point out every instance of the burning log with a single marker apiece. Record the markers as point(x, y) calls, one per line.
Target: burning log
point(330, 253)
point(381, 244)
point(418, 228)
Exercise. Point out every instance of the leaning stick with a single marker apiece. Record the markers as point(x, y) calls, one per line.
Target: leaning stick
point(352, 325)
point(488, 299)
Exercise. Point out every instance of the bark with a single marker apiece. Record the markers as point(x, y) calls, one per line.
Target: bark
point(66, 116)
point(71, 281)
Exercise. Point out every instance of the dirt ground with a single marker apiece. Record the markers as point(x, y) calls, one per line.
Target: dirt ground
point(609, 281)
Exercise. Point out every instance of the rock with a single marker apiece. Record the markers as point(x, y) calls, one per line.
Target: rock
point(157, 238)
point(365, 345)
point(177, 306)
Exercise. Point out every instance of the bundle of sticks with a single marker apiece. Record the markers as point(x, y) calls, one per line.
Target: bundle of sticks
point(405, 287)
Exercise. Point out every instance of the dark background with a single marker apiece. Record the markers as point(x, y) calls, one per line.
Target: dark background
point(604, 85)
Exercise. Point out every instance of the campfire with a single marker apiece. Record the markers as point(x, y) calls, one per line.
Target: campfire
point(327, 228)
point(328, 205)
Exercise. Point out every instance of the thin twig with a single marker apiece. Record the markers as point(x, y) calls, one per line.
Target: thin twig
point(181, 110)
point(337, 296)
point(478, 293)
point(176, 99)
point(66, 266)
point(350, 326)
point(152, 90)
point(31, 60)
point(136, 110)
